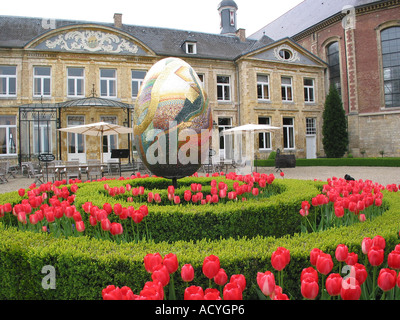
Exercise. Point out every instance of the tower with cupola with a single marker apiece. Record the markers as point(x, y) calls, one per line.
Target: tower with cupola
point(227, 11)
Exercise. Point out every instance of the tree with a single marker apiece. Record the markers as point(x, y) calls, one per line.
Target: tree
point(334, 129)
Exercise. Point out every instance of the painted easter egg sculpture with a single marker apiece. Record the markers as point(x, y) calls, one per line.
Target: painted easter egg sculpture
point(172, 120)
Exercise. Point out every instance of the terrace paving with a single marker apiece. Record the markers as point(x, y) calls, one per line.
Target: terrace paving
point(382, 175)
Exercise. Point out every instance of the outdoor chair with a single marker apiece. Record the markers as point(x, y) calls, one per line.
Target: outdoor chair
point(11, 171)
point(72, 170)
point(37, 174)
point(51, 172)
point(3, 173)
point(112, 163)
point(94, 168)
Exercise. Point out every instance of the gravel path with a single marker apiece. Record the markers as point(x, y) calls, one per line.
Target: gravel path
point(382, 175)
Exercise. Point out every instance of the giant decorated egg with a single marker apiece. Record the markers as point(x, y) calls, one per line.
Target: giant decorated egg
point(172, 120)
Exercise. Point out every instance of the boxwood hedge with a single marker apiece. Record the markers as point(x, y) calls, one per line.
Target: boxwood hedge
point(84, 265)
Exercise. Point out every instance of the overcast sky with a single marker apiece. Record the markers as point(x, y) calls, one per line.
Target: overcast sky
point(188, 15)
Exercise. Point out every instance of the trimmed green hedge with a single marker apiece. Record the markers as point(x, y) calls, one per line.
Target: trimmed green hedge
point(360, 162)
point(85, 266)
point(265, 216)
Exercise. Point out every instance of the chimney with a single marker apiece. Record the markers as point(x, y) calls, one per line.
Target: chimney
point(241, 33)
point(118, 20)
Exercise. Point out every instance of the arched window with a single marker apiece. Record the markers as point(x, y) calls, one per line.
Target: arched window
point(390, 39)
point(333, 59)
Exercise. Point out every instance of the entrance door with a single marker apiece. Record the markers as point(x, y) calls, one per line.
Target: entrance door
point(110, 142)
point(311, 142)
point(76, 142)
point(225, 141)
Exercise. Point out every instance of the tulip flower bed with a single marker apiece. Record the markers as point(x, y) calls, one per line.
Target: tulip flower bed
point(251, 246)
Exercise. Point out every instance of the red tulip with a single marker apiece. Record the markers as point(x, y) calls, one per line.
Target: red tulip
point(137, 216)
point(114, 293)
point(105, 224)
point(282, 174)
point(187, 273)
point(49, 214)
point(117, 209)
point(161, 274)
point(366, 245)
point(151, 261)
point(341, 252)
point(334, 284)
point(92, 221)
point(339, 211)
point(352, 258)
point(359, 272)
point(177, 200)
point(171, 262)
point(309, 272)
point(77, 216)
point(221, 277)
point(80, 226)
point(21, 192)
point(193, 293)
point(171, 189)
point(22, 217)
point(394, 260)
point(144, 210)
point(240, 280)
point(314, 255)
point(150, 197)
point(387, 279)
point(375, 256)
point(266, 282)
point(157, 197)
point(116, 228)
point(211, 266)
point(280, 258)
point(187, 195)
point(351, 289)
point(379, 241)
point(212, 294)
point(152, 290)
point(324, 263)
point(232, 291)
point(255, 191)
point(309, 288)
point(33, 219)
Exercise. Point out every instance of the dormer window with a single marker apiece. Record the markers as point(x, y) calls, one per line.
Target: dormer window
point(190, 47)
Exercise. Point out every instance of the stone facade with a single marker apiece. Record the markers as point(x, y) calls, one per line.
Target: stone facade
point(122, 48)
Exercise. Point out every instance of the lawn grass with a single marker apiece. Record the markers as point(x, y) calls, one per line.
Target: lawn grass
point(336, 162)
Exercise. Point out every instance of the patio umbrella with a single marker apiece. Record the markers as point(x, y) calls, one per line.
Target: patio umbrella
point(98, 129)
point(251, 129)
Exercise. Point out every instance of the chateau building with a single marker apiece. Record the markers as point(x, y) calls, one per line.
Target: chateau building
point(60, 73)
point(360, 42)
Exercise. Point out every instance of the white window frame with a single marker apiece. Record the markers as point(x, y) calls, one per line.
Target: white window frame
point(311, 126)
point(45, 131)
point(42, 79)
point(266, 135)
point(76, 80)
point(190, 47)
point(226, 97)
point(263, 84)
point(136, 82)
point(108, 80)
point(8, 128)
point(8, 78)
point(285, 87)
point(310, 90)
point(289, 129)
